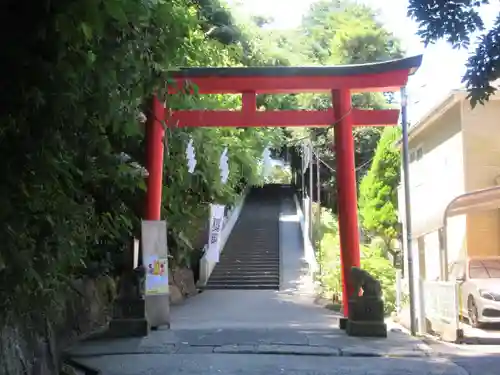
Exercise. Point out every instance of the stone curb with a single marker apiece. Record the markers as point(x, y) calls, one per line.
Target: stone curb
point(381, 354)
point(269, 349)
point(166, 349)
point(78, 367)
point(426, 348)
point(279, 350)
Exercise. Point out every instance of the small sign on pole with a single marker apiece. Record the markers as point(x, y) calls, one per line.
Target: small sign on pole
point(155, 260)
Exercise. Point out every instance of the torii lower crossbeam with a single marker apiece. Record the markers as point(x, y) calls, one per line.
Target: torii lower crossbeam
point(340, 81)
point(279, 118)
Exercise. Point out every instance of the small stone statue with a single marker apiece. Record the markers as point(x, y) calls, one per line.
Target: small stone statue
point(363, 280)
point(366, 311)
point(129, 314)
point(131, 283)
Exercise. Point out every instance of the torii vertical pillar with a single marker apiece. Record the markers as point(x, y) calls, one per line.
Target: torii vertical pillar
point(154, 159)
point(346, 191)
point(154, 231)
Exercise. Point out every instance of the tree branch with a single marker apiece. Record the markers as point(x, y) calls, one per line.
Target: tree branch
point(483, 66)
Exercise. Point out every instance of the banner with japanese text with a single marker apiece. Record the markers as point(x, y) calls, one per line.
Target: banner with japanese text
point(214, 234)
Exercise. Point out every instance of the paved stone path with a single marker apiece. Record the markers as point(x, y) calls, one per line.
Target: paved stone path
point(262, 332)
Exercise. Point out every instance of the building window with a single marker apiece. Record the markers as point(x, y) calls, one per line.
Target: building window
point(419, 153)
point(416, 154)
point(421, 256)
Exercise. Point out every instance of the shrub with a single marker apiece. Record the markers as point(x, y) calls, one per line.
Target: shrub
point(372, 260)
point(279, 175)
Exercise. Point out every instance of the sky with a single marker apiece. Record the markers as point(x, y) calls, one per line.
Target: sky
point(442, 67)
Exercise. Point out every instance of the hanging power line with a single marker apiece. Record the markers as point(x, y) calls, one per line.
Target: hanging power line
point(323, 162)
point(295, 141)
point(333, 170)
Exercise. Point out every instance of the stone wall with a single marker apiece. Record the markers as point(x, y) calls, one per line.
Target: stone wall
point(28, 348)
point(31, 348)
point(181, 285)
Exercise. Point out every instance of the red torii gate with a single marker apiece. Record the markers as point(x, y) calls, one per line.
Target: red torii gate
point(341, 81)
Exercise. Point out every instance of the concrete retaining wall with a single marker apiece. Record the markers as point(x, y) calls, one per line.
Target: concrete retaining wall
point(309, 253)
point(206, 267)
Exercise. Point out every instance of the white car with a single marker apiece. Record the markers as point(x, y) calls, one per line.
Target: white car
point(479, 284)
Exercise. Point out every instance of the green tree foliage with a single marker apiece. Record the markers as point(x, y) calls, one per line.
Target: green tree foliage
point(342, 32)
point(378, 189)
point(76, 77)
point(346, 32)
point(456, 22)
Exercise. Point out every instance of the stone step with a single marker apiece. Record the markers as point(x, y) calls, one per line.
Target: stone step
point(257, 281)
point(239, 261)
point(251, 257)
point(256, 254)
point(249, 273)
point(258, 268)
point(247, 264)
point(256, 250)
point(244, 251)
point(259, 247)
point(240, 257)
point(246, 269)
point(231, 281)
point(245, 278)
point(243, 287)
point(239, 265)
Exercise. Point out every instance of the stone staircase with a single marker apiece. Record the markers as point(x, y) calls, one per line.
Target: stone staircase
point(251, 257)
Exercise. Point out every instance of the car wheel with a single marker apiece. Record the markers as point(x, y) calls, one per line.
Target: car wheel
point(473, 313)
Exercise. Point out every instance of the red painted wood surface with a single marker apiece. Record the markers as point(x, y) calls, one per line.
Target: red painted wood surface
point(253, 118)
point(389, 81)
point(154, 160)
point(346, 192)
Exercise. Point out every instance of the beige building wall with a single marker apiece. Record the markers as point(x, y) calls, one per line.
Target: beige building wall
point(460, 153)
point(481, 128)
point(435, 180)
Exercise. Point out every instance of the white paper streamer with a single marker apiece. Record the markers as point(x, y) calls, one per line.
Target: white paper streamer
point(224, 166)
point(190, 156)
point(266, 160)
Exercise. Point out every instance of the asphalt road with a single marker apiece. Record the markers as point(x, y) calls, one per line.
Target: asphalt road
point(252, 351)
point(475, 359)
point(248, 364)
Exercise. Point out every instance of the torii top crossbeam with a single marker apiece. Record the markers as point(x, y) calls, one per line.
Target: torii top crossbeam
point(382, 76)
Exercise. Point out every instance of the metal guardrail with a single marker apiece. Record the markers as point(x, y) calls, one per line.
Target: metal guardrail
point(442, 309)
point(441, 301)
point(439, 306)
point(402, 291)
